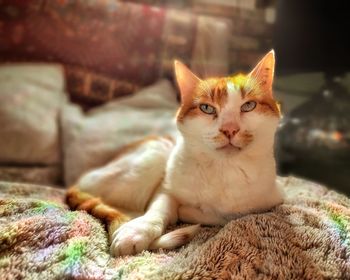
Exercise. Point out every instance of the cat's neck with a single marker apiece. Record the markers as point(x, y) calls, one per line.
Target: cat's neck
point(192, 151)
point(225, 185)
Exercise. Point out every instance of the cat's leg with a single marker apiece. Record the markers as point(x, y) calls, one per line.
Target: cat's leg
point(193, 215)
point(130, 180)
point(138, 234)
point(127, 183)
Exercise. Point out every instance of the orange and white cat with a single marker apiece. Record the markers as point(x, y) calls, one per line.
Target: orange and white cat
point(220, 166)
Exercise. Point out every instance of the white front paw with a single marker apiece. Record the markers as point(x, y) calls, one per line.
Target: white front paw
point(135, 236)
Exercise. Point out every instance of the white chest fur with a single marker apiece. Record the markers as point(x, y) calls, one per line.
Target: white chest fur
point(226, 186)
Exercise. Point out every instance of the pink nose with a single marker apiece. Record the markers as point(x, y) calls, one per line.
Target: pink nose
point(229, 129)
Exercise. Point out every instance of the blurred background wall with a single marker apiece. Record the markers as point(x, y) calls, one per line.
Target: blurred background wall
point(251, 22)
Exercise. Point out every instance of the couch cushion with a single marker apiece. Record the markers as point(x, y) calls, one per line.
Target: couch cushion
point(92, 139)
point(30, 98)
point(43, 175)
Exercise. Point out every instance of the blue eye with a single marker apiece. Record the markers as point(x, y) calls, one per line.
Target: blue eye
point(207, 109)
point(248, 106)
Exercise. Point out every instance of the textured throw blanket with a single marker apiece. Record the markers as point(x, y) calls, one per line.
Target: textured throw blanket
point(308, 237)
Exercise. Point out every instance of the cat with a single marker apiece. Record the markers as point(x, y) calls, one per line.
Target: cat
point(220, 166)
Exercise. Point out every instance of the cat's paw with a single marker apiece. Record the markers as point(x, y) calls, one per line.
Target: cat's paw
point(135, 236)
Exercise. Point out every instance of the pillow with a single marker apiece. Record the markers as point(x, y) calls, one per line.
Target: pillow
point(92, 139)
point(43, 175)
point(30, 99)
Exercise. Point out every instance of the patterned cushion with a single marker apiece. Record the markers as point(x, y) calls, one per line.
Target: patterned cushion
point(89, 88)
point(125, 42)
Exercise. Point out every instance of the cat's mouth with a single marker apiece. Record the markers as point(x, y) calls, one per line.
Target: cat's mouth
point(229, 147)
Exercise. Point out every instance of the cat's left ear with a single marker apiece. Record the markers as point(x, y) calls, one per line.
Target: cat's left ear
point(263, 72)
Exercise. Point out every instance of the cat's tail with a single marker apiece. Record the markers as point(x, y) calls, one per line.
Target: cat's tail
point(79, 200)
point(175, 238)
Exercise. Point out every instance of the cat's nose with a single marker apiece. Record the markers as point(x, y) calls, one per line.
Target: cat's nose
point(229, 129)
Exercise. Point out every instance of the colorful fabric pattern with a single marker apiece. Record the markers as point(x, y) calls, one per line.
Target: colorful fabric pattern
point(88, 88)
point(110, 47)
point(104, 36)
point(307, 237)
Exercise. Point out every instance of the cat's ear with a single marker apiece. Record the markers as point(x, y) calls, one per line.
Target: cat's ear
point(263, 72)
point(186, 80)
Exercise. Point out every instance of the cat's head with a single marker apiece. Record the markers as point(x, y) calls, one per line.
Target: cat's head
point(231, 114)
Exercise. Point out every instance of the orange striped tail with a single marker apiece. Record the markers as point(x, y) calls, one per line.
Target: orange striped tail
point(78, 200)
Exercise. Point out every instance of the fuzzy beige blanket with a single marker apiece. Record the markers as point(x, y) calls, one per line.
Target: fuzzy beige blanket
point(308, 237)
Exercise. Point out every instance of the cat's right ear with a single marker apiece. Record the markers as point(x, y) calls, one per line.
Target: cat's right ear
point(186, 80)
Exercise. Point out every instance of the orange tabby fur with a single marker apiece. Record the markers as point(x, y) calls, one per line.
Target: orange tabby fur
point(113, 218)
point(221, 165)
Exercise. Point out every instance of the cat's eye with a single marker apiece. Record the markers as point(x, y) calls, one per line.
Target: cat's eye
point(248, 106)
point(208, 109)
